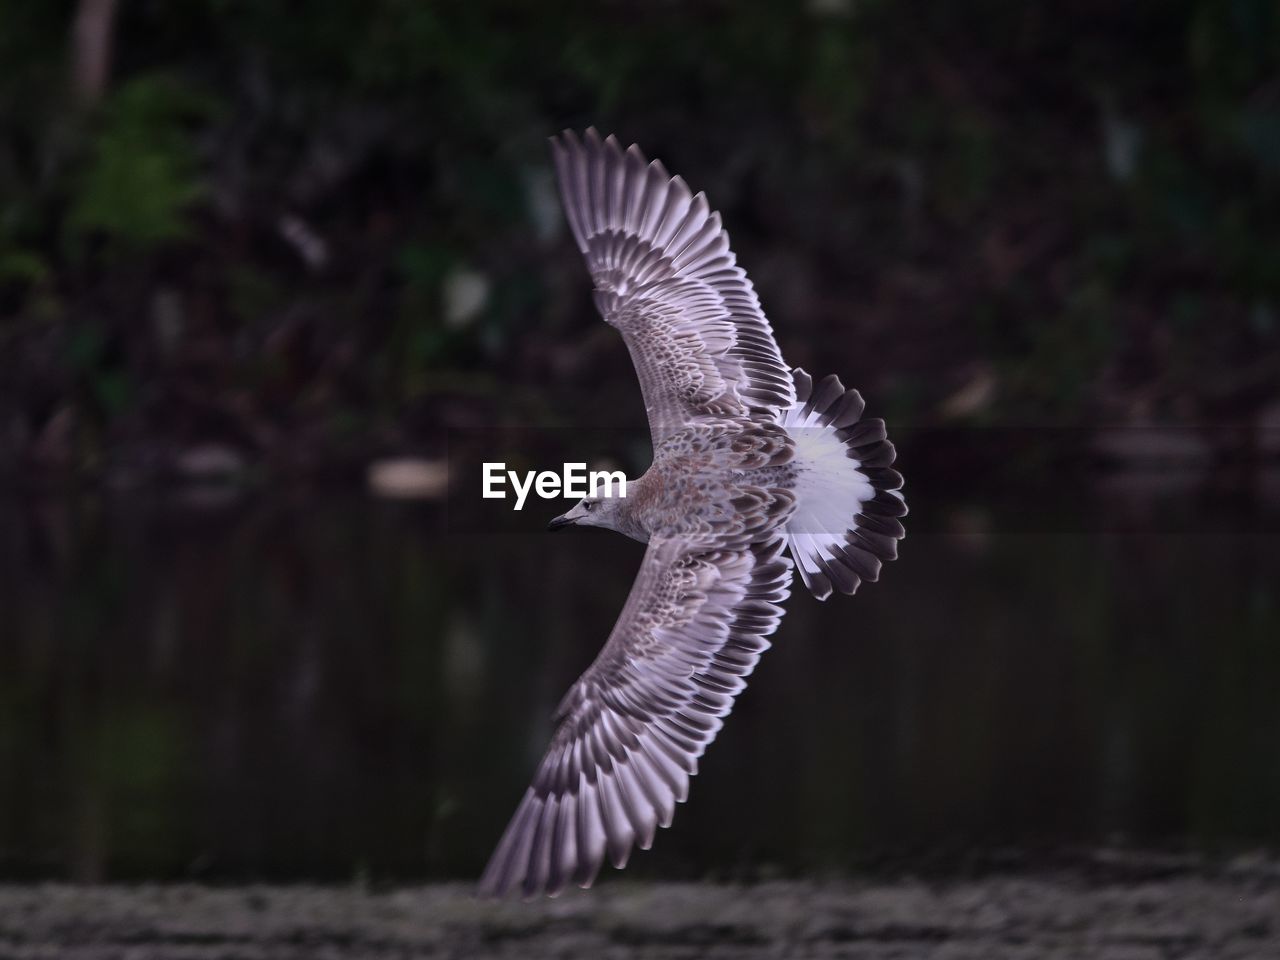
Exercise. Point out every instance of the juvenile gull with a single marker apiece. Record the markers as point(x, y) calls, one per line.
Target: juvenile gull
point(751, 462)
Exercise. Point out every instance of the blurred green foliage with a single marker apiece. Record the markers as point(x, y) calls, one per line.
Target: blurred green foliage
point(1079, 204)
point(142, 173)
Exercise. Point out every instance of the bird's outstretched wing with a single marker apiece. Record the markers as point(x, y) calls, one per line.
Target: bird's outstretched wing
point(666, 278)
point(631, 729)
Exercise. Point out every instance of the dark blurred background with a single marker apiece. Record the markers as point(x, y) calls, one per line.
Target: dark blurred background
point(259, 259)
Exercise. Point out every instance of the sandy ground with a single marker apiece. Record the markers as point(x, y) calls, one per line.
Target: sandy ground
point(1231, 913)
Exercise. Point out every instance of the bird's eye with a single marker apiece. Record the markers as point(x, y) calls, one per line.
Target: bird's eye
point(587, 505)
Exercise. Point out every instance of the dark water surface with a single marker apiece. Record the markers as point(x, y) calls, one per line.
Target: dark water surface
point(328, 686)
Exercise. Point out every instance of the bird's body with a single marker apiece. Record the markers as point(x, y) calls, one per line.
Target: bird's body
point(698, 474)
point(752, 462)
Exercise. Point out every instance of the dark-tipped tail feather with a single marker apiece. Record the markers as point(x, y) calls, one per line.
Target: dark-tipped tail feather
point(849, 501)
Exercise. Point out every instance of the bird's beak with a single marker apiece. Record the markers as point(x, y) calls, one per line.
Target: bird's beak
point(559, 523)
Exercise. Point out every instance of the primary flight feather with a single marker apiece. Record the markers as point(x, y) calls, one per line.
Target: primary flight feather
point(755, 472)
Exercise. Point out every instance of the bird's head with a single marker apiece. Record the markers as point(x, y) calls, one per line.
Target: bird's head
point(591, 511)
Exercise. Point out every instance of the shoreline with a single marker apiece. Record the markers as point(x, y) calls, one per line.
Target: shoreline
point(1232, 913)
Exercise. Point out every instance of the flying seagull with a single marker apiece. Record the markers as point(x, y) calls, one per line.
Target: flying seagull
point(755, 472)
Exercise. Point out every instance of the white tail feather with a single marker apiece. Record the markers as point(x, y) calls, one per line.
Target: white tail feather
point(841, 471)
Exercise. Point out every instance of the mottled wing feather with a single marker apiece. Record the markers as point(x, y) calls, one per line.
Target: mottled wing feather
point(631, 729)
point(666, 278)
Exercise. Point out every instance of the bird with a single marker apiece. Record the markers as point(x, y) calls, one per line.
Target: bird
point(757, 473)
